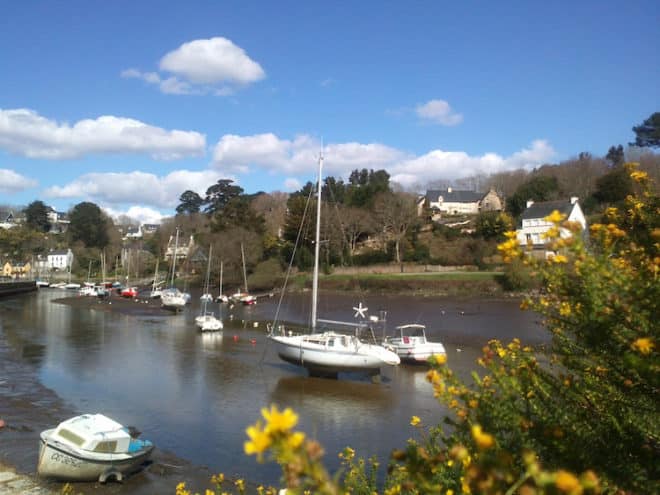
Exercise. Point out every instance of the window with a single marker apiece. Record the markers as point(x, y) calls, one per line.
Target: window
point(71, 437)
point(107, 447)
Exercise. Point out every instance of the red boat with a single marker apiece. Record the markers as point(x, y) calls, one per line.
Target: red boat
point(129, 292)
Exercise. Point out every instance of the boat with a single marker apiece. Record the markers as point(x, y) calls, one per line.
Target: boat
point(129, 292)
point(243, 297)
point(42, 283)
point(156, 289)
point(172, 298)
point(221, 297)
point(329, 352)
point(410, 343)
point(206, 321)
point(91, 447)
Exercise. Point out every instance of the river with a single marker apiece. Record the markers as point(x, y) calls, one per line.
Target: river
point(193, 394)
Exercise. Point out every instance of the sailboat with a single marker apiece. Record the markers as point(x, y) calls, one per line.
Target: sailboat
point(71, 285)
point(172, 298)
point(207, 321)
point(329, 352)
point(243, 297)
point(156, 291)
point(128, 291)
point(221, 297)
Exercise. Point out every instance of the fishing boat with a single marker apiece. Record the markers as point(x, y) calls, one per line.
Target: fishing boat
point(329, 352)
point(207, 321)
point(410, 343)
point(91, 447)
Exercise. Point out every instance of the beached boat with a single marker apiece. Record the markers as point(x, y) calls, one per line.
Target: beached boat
point(410, 343)
point(207, 321)
point(329, 352)
point(172, 298)
point(90, 447)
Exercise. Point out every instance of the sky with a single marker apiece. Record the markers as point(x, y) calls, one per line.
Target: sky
point(129, 104)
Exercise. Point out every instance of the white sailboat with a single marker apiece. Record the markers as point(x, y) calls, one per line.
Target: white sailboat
point(221, 297)
point(172, 298)
point(329, 352)
point(243, 297)
point(206, 321)
point(156, 291)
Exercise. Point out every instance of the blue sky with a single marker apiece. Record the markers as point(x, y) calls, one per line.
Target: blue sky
point(128, 104)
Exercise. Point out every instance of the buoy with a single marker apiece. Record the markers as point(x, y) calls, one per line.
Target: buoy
point(2, 423)
point(253, 341)
point(235, 338)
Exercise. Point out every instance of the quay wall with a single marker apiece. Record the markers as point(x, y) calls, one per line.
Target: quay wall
point(11, 288)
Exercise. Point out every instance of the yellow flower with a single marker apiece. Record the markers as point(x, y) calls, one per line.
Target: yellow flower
point(438, 359)
point(638, 176)
point(414, 421)
point(259, 440)
point(209, 492)
point(296, 439)
point(483, 440)
point(643, 345)
point(218, 479)
point(240, 484)
point(559, 258)
point(450, 492)
point(555, 217)
point(567, 482)
point(565, 309)
point(277, 421)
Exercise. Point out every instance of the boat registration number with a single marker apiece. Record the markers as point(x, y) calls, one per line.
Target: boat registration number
point(64, 459)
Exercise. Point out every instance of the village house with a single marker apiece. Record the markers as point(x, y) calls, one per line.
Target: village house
point(16, 270)
point(182, 250)
point(59, 221)
point(149, 228)
point(7, 219)
point(133, 233)
point(534, 226)
point(453, 202)
point(60, 259)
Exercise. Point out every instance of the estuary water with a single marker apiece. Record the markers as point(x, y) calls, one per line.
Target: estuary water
point(194, 394)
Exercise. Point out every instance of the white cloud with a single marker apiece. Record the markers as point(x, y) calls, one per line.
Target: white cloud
point(292, 184)
point(439, 112)
point(12, 182)
point(136, 187)
point(140, 213)
point(203, 66)
point(269, 153)
point(25, 132)
point(298, 156)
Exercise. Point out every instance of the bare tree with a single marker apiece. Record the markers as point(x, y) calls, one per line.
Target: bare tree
point(355, 222)
point(396, 213)
point(273, 208)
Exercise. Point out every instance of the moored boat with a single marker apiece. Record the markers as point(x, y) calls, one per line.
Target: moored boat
point(90, 447)
point(411, 345)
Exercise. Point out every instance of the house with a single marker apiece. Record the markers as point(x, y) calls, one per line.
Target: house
point(149, 228)
point(182, 250)
point(133, 233)
point(59, 221)
point(60, 259)
point(534, 226)
point(7, 219)
point(453, 202)
point(16, 269)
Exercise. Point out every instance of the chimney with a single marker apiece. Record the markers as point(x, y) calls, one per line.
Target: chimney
point(530, 202)
point(574, 199)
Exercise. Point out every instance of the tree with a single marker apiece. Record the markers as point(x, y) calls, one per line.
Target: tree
point(615, 155)
point(88, 225)
point(648, 133)
point(189, 202)
point(355, 223)
point(538, 188)
point(364, 185)
point(36, 216)
point(238, 212)
point(613, 187)
point(493, 224)
point(396, 214)
point(219, 194)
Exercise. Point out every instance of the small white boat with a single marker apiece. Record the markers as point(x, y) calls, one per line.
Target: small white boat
point(411, 345)
point(72, 286)
point(90, 447)
point(206, 297)
point(42, 283)
point(208, 322)
point(173, 299)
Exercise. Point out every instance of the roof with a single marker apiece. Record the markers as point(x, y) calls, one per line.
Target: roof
point(543, 209)
point(454, 196)
point(59, 252)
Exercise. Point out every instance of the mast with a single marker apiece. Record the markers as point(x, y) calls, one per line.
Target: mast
point(176, 245)
point(244, 272)
point(221, 278)
point(315, 280)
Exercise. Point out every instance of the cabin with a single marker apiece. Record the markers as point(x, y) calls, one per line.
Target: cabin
point(534, 226)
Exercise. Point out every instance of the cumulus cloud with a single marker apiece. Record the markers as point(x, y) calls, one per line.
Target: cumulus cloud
point(142, 214)
point(216, 66)
point(239, 154)
point(25, 132)
point(298, 157)
point(12, 182)
point(292, 184)
point(137, 187)
point(438, 112)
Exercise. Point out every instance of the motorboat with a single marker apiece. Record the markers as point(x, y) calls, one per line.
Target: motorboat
point(329, 352)
point(42, 283)
point(410, 343)
point(91, 447)
point(129, 292)
point(173, 299)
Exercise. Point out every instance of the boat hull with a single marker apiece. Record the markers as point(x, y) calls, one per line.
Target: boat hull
point(60, 462)
point(318, 359)
point(419, 354)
